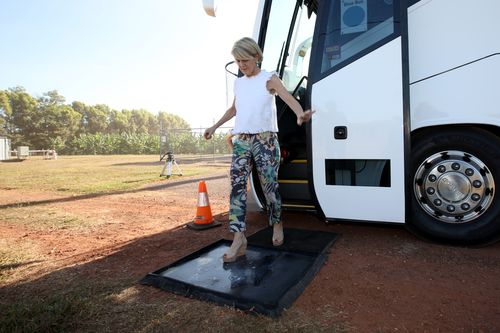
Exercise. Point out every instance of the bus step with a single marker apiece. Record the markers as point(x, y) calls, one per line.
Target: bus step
point(294, 189)
point(295, 169)
point(298, 205)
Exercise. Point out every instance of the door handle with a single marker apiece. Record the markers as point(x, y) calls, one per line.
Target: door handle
point(340, 132)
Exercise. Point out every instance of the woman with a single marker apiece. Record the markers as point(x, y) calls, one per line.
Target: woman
point(254, 141)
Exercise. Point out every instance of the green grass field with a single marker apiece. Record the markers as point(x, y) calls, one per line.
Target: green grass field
point(93, 174)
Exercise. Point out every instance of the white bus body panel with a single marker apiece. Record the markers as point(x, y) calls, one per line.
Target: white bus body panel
point(372, 110)
point(446, 34)
point(466, 95)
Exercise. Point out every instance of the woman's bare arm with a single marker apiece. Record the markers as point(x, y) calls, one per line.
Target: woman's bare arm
point(275, 85)
point(230, 113)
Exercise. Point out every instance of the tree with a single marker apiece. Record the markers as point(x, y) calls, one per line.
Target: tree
point(22, 113)
point(119, 122)
point(170, 121)
point(139, 121)
point(54, 122)
point(5, 112)
point(47, 122)
point(94, 119)
point(52, 98)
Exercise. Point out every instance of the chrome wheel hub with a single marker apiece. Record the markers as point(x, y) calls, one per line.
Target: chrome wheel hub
point(453, 186)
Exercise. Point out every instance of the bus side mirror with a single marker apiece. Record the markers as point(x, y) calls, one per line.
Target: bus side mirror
point(210, 7)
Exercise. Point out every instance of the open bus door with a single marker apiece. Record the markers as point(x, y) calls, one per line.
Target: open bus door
point(359, 134)
point(349, 61)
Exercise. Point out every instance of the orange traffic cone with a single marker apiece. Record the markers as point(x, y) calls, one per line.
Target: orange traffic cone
point(203, 219)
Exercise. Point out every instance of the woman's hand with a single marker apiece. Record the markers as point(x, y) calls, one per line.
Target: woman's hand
point(229, 140)
point(304, 117)
point(208, 133)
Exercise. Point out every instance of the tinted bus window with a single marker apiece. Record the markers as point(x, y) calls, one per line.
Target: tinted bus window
point(353, 27)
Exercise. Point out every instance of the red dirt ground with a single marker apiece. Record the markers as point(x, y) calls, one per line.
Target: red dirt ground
point(377, 278)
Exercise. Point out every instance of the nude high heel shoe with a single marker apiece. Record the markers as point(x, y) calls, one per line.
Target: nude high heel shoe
point(278, 236)
point(240, 251)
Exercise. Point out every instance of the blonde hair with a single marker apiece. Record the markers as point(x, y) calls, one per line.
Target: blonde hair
point(246, 48)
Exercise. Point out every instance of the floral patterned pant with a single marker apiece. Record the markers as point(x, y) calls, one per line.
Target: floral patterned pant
point(263, 150)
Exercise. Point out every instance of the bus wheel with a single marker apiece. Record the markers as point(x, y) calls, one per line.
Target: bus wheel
point(453, 183)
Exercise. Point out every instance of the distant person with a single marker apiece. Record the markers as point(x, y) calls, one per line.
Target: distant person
point(255, 141)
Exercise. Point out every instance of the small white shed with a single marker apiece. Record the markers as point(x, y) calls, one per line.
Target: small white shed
point(4, 148)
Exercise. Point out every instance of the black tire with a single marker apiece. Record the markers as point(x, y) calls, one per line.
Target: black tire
point(453, 177)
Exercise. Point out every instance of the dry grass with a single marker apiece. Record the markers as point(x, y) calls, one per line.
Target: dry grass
point(50, 218)
point(99, 310)
point(14, 255)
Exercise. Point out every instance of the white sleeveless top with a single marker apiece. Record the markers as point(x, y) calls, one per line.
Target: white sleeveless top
point(255, 106)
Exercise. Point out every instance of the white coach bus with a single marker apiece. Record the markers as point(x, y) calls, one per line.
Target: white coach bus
point(407, 101)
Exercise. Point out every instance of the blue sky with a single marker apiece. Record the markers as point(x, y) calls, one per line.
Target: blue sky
point(156, 55)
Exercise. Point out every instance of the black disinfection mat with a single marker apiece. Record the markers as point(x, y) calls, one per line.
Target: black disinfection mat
point(266, 280)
